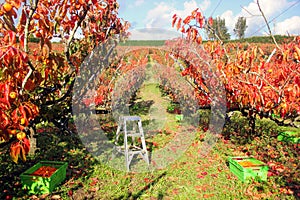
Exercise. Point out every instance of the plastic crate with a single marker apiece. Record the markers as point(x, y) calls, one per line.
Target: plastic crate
point(246, 168)
point(42, 185)
point(289, 136)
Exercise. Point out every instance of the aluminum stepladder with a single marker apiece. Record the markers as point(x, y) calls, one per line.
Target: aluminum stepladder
point(131, 150)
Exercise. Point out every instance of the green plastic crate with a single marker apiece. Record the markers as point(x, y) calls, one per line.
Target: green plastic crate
point(289, 136)
point(258, 170)
point(43, 185)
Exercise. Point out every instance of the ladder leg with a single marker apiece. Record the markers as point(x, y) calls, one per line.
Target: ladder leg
point(127, 162)
point(118, 134)
point(145, 152)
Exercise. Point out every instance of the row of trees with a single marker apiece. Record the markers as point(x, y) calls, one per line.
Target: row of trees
point(219, 29)
point(257, 80)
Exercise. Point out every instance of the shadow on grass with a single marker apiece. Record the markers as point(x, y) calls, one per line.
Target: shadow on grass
point(238, 130)
point(141, 107)
point(144, 189)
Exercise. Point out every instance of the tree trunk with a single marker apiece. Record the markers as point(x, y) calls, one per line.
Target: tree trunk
point(252, 124)
point(32, 141)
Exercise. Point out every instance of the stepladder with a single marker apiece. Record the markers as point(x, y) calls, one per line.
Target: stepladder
point(134, 144)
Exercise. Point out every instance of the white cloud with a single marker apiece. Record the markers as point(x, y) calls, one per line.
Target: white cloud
point(161, 15)
point(139, 2)
point(255, 22)
point(135, 4)
point(229, 20)
point(153, 34)
point(288, 26)
point(270, 8)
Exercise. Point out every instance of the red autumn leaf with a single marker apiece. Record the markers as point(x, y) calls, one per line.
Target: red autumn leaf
point(175, 191)
point(23, 153)
point(155, 144)
point(174, 20)
point(200, 19)
point(30, 85)
point(15, 149)
point(210, 21)
point(208, 196)
point(204, 173)
point(4, 120)
point(12, 38)
point(4, 100)
point(182, 30)
point(16, 3)
point(194, 34)
point(147, 180)
point(199, 40)
point(194, 12)
point(200, 175)
point(297, 80)
point(26, 145)
point(70, 193)
point(214, 175)
point(21, 38)
point(94, 181)
point(179, 24)
point(187, 20)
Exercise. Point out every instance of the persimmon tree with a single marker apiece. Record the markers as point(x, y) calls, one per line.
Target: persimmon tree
point(36, 81)
point(257, 82)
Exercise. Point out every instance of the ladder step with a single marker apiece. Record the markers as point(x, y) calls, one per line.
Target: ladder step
point(135, 135)
point(131, 118)
point(135, 148)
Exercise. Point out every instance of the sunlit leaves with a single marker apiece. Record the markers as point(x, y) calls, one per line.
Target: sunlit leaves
point(19, 149)
point(191, 24)
point(265, 84)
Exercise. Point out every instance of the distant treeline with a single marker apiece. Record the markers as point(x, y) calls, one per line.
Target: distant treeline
point(143, 43)
point(256, 39)
point(280, 39)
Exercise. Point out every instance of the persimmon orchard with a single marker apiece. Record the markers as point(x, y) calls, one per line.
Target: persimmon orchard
point(36, 83)
point(257, 82)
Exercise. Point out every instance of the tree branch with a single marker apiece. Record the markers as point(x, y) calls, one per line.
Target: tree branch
point(26, 39)
point(71, 37)
point(269, 29)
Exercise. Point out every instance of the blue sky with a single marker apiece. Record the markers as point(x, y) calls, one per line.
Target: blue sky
point(151, 19)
